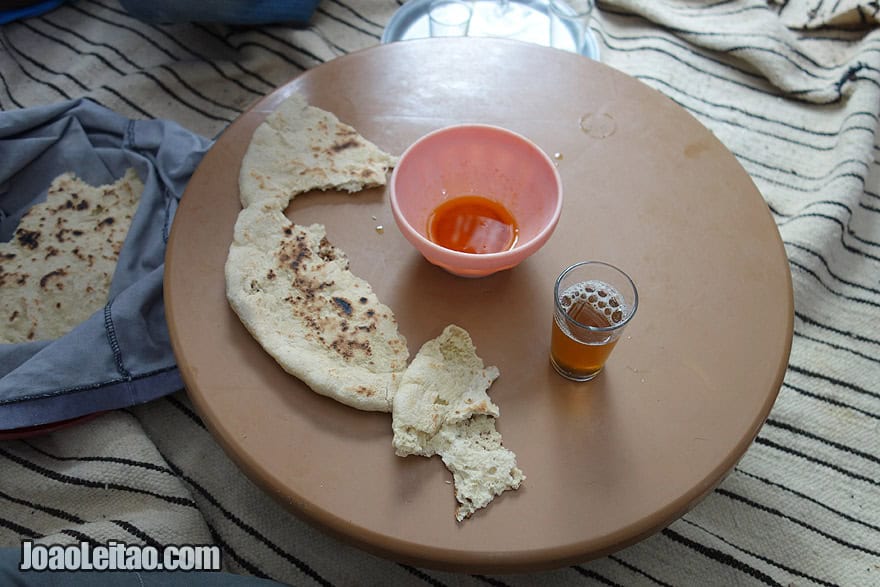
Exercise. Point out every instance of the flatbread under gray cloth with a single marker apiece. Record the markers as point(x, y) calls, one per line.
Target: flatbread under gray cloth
point(121, 355)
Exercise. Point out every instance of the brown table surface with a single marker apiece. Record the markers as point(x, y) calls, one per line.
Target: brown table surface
point(609, 462)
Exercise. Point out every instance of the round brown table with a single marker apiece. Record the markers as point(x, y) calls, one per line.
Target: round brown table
point(608, 462)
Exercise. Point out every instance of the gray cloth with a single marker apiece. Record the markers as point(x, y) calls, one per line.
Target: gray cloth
point(121, 355)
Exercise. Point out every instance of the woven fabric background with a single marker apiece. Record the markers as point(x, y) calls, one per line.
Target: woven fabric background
point(791, 88)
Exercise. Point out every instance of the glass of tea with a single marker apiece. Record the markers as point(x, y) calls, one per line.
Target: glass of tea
point(593, 303)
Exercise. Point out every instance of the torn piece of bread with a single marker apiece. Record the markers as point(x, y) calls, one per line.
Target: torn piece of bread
point(442, 407)
point(299, 148)
point(445, 383)
point(481, 467)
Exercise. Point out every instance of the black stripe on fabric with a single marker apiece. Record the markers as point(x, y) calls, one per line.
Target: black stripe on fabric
point(228, 551)
point(77, 481)
point(790, 95)
point(196, 92)
point(840, 382)
point(837, 347)
point(138, 533)
point(830, 400)
point(837, 221)
point(751, 129)
point(348, 24)
point(869, 208)
point(43, 66)
point(278, 54)
point(828, 288)
point(150, 76)
point(180, 100)
point(247, 528)
point(720, 557)
point(114, 460)
point(871, 194)
point(200, 56)
point(210, 31)
point(79, 536)
point(819, 256)
point(287, 43)
point(834, 69)
point(91, 42)
point(28, 74)
point(128, 102)
point(684, 10)
point(54, 512)
point(187, 411)
point(77, 7)
point(421, 575)
point(490, 580)
point(839, 73)
point(825, 185)
point(15, 102)
point(836, 468)
point(806, 497)
point(638, 571)
point(772, 422)
point(686, 49)
point(826, 179)
point(760, 557)
point(847, 228)
point(703, 7)
point(22, 531)
point(334, 47)
point(807, 320)
point(70, 47)
point(357, 14)
point(591, 574)
point(93, 99)
point(835, 83)
point(769, 510)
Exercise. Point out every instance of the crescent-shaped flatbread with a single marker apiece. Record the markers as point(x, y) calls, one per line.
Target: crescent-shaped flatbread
point(293, 291)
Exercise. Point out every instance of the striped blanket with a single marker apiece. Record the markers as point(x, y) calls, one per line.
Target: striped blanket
point(792, 88)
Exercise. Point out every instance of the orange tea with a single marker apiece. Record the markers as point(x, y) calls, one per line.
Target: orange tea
point(473, 224)
point(584, 329)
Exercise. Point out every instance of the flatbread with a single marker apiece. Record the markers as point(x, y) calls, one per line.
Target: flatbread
point(300, 148)
point(442, 407)
point(56, 270)
point(481, 467)
point(290, 287)
point(445, 383)
point(293, 291)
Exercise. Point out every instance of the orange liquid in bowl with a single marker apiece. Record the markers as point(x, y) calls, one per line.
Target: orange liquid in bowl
point(473, 224)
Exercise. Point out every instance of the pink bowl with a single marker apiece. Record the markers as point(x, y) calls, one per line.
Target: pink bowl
point(483, 160)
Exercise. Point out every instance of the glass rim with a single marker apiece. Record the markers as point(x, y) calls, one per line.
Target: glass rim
point(566, 11)
point(588, 327)
point(439, 19)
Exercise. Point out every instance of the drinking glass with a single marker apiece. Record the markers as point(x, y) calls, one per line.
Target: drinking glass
point(569, 23)
point(592, 304)
point(449, 18)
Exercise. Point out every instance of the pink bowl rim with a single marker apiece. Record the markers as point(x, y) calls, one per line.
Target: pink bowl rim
point(517, 249)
